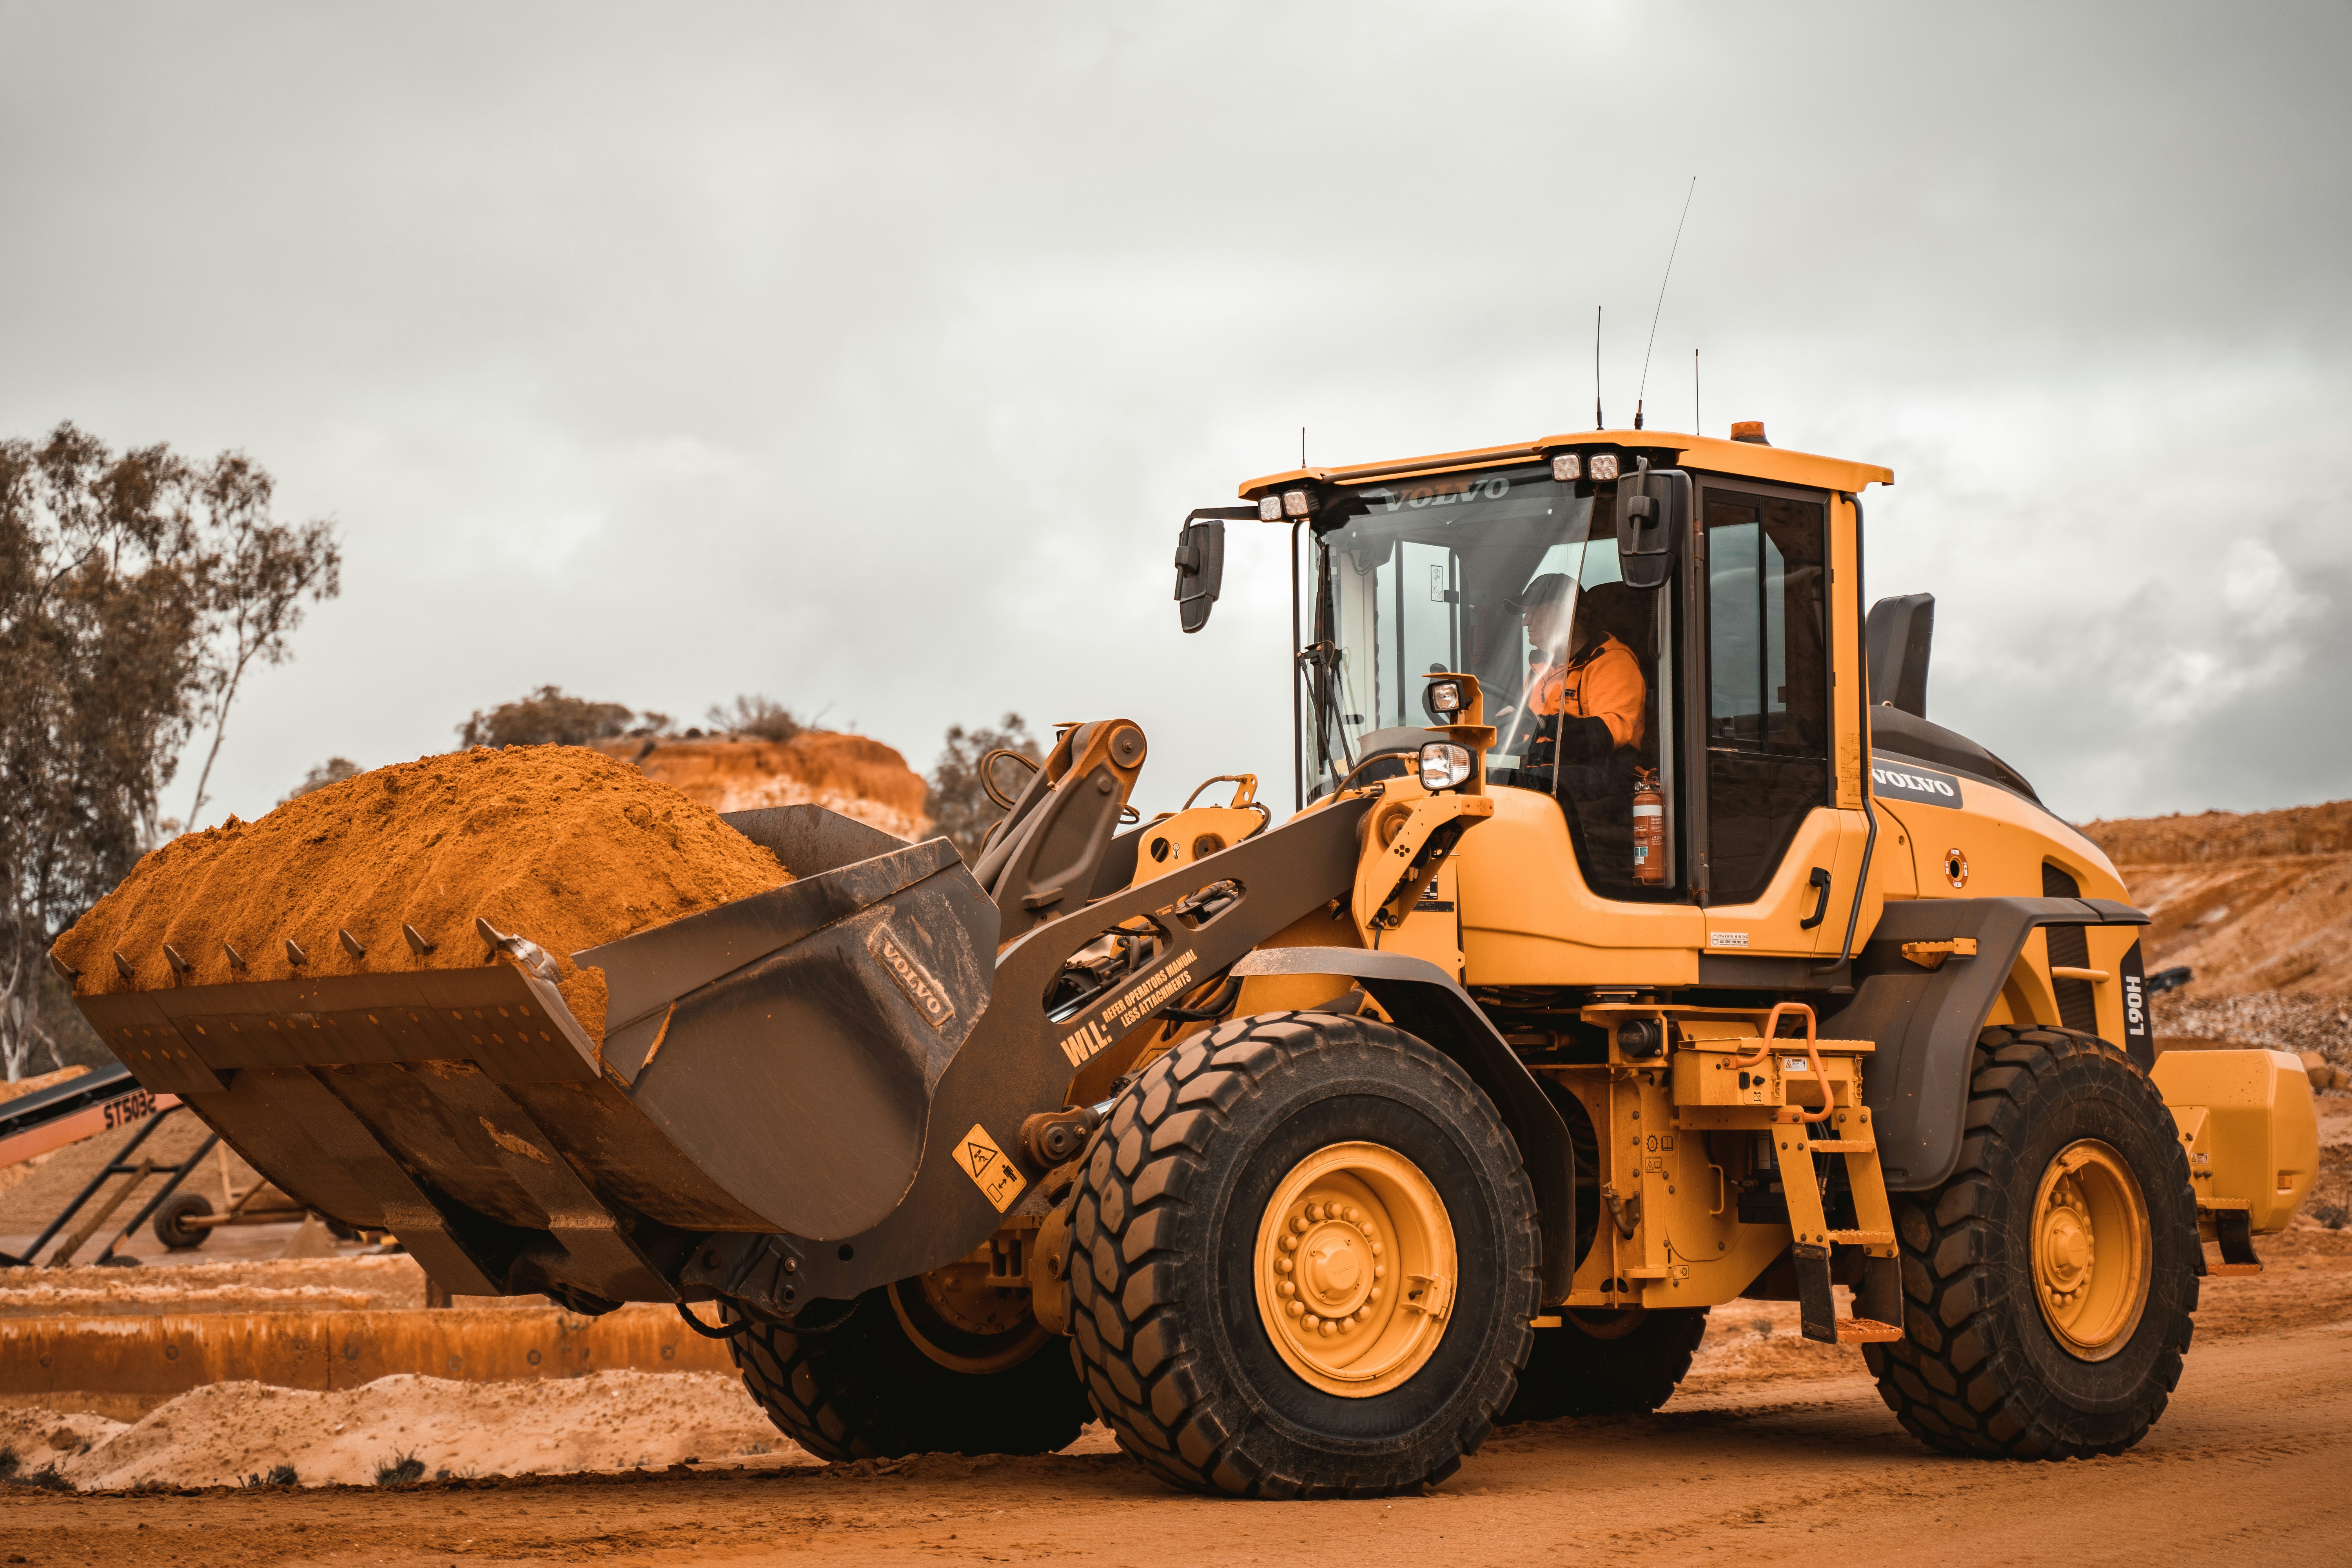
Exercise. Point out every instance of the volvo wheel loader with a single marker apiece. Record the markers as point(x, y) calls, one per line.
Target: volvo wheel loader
point(1636, 943)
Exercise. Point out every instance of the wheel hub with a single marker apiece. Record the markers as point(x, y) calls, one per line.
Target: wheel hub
point(2091, 1256)
point(1355, 1267)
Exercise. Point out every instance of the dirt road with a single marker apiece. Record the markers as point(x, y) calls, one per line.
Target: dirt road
point(2250, 1459)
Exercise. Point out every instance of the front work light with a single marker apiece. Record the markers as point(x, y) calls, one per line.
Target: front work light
point(1293, 503)
point(1604, 464)
point(1567, 467)
point(1269, 510)
point(1445, 695)
point(1444, 764)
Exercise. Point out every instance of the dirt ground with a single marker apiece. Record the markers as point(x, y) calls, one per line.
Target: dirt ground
point(1775, 1449)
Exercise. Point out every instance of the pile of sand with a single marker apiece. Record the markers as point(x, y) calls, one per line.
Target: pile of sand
point(25, 1086)
point(224, 1432)
point(363, 1282)
point(2226, 835)
point(852, 774)
point(557, 844)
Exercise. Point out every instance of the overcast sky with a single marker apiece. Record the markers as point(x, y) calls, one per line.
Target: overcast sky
point(866, 355)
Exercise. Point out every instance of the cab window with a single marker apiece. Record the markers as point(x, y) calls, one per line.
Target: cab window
point(1767, 733)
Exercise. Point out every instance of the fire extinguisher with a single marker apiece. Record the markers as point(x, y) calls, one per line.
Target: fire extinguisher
point(1649, 829)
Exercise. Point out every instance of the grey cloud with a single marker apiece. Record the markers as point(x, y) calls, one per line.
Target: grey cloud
point(867, 355)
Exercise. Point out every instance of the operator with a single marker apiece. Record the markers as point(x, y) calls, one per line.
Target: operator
point(1590, 689)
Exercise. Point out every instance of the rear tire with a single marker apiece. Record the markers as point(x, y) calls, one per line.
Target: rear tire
point(2048, 1285)
point(1327, 1136)
point(872, 1387)
point(171, 1226)
point(1607, 1363)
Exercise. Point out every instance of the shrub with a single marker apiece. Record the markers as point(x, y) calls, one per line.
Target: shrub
point(400, 1471)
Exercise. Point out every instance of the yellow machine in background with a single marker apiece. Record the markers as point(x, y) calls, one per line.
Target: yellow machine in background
point(1635, 945)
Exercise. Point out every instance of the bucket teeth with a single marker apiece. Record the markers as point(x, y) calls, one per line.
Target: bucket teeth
point(122, 966)
point(65, 971)
point(171, 954)
point(352, 945)
point(295, 955)
point(416, 943)
point(522, 950)
point(235, 959)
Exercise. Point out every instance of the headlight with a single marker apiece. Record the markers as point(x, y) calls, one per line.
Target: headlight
point(1445, 695)
point(1444, 764)
point(1269, 510)
point(1293, 503)
point(1604, 464)
point(1566, 466)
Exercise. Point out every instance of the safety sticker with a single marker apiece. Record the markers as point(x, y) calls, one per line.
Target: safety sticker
point(1795, 1064)
point(991, 1171)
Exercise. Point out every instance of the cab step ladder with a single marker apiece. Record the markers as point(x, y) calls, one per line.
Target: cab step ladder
point(1796, 1147)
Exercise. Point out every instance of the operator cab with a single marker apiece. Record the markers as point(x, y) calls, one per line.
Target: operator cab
point(1511, 565)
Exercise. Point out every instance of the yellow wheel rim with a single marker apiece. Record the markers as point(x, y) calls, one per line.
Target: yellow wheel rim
point(1355, 1269)
point(2092, 1259)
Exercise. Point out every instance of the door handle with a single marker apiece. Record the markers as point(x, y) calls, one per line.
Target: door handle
point(1820, 882)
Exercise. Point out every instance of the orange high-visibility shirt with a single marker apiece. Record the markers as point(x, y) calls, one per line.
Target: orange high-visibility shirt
point(1605, 684)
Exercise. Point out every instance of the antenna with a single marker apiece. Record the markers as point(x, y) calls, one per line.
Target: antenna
point(1598, 424)
point(1662, 300)
point(1698, 429)
point(1302, 446)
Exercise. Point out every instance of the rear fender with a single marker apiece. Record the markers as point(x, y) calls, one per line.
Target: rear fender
point(1926, 1021)
point(1429, 1003)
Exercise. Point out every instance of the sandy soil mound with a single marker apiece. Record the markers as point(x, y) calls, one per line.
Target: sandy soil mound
point(557, 844)
point(2226, 835)
point(2257, 905)
point(25, 1086)
point(852, 775)
point(360, 1283)
point(220, 1434)
point(2253, 901)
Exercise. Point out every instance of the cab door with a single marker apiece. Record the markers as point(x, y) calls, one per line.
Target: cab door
point(1778, 872)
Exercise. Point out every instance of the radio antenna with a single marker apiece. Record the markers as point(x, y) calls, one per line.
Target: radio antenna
point(1597, 422)
point(1302, 446)
point(1661, 300)
point(1697, 427)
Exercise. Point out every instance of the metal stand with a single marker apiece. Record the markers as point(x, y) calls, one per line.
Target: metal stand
point(121, 1166)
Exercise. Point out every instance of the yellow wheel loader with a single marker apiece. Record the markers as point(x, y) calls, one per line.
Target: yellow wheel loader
point(1635, 945)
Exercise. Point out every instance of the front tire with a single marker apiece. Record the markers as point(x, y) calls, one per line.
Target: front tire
point(2048, 1284)
point(1303, 1262)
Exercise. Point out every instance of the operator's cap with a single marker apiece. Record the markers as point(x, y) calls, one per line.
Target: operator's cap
point(1548, 589)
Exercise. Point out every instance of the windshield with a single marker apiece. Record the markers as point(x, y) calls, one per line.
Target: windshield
point(1512, 576)
point(1439, 575)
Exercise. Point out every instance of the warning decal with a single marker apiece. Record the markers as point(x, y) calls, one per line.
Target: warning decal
point(990, 1170)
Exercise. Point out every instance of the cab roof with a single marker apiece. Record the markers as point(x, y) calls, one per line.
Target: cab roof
point(1664, 448)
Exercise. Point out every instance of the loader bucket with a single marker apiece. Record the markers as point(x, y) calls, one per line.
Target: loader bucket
point(768, 1066)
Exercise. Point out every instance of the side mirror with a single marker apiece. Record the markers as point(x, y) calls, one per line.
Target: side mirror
point(1653, 510)
point(1200, 569)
